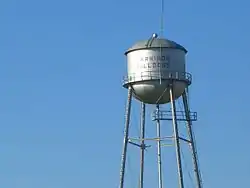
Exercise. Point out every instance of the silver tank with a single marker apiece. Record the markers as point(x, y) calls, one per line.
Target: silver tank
point(151, 66)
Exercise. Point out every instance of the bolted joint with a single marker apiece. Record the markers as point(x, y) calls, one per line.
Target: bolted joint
point(143, 146)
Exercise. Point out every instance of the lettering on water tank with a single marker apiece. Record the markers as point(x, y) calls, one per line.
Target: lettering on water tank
point(151, 62)
point(154, 58)
point(153, 65)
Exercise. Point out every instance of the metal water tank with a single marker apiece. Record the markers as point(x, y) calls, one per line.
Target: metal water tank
point(152, 65)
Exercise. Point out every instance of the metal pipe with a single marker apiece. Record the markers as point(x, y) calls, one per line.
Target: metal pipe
point(192, 141)
point(125, 140)
point(142, 146)
point(158, 127)
point(176, 137)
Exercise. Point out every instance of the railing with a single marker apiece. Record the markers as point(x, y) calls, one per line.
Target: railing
point(157, 75)
point(167, 115)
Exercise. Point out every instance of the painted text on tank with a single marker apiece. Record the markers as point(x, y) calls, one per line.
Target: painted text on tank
point(154, 58)
point(149, 62)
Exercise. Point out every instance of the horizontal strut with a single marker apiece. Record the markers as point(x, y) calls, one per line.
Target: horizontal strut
point(143, 146)
point(152, 139)
point(132, 141)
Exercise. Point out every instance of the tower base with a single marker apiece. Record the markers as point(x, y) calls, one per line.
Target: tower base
point(158, 116)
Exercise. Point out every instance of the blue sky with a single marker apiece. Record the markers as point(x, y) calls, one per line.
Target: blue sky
point(62, 103)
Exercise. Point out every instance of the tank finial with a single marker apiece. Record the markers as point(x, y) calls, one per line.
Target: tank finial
point(154, 35)
point(150, 40)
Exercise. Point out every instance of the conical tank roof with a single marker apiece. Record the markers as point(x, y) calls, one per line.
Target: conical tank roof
point(156, 43)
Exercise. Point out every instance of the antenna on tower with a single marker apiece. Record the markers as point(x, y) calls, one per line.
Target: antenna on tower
point(162, 19)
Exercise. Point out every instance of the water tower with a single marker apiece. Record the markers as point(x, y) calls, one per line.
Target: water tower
point(156, 75)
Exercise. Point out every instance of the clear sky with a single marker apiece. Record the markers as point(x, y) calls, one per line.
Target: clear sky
point(62, 103)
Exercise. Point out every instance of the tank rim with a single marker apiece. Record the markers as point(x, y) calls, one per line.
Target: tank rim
point(156, 43)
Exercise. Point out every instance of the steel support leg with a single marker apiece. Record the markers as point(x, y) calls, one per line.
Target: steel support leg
point(125, 140)
point(192, 141)
point(176, 137)
point(158, 127)
point(142, 144)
